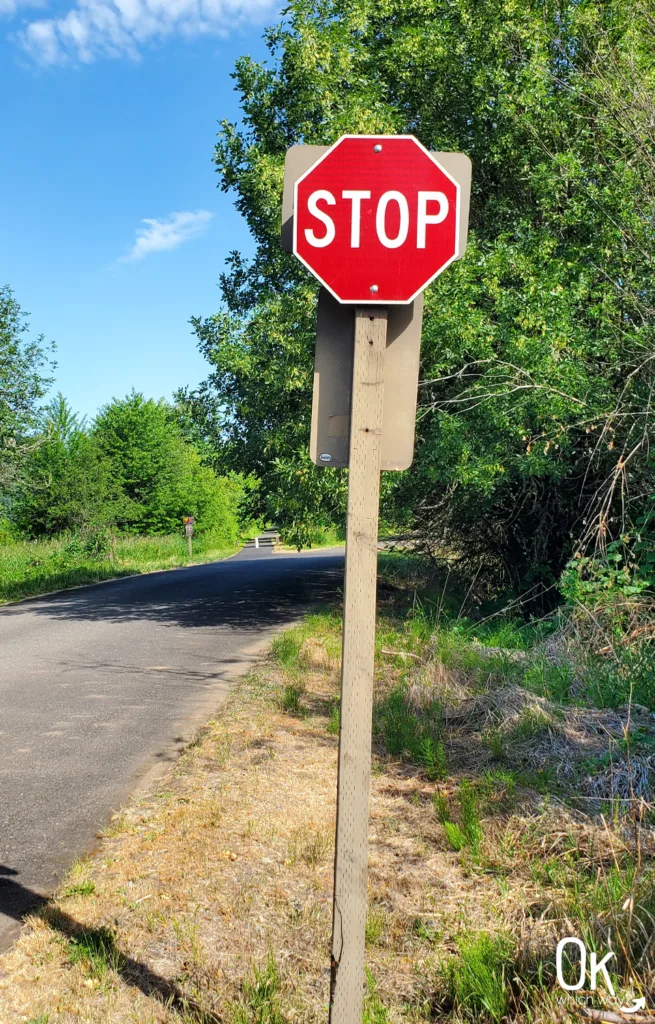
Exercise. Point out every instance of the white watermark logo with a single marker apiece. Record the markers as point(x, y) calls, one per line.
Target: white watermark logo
point(596, 968)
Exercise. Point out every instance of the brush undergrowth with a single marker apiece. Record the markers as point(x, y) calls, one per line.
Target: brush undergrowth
point(599, 881)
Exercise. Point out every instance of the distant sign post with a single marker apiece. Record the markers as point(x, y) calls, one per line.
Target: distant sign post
point(375, 219)
point(188, 529)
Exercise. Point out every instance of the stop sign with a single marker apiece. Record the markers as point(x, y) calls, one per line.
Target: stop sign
point(376, 219)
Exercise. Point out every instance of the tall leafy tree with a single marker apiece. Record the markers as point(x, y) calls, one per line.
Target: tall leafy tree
point(534, 425)
point(162, 477)
point(67, 483)
point(25, 365)
point(58, 419)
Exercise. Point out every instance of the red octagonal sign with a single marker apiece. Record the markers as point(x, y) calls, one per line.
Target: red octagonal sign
point(376, 219)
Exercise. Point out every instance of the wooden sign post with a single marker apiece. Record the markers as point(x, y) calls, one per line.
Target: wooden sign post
point(375, 219)
point(350, 866)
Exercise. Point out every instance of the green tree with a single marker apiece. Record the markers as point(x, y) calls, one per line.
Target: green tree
point(59, 420)
point(24, 367)
point(66, 483)
point(160, 474)
point(537, 363)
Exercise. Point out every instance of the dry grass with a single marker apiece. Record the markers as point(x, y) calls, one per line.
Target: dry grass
point(210, 900)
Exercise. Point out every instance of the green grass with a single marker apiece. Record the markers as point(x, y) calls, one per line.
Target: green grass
point(467, 833)
point(470, 815)
point(28, 568)
point(454, 835)
point(85, 888)
point(432, 758)
point(318, 537)
point(478, 976)
point(374, 1010)
point(290, 699)
point(323, 627)
point(334, 723)
point(375, 925)
point(260, 998)
point(406, 733)
point(95, 949)
point(492, 976)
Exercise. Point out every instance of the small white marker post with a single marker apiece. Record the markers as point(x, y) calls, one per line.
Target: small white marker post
point(351, 855)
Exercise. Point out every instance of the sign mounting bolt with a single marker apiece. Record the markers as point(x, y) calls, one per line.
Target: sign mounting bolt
point(377, 148)
point(373, 288)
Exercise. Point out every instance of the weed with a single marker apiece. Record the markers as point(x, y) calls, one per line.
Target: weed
point(495, 742)
point(95, 948)
point(406, 733)
point(456, 838)
point(334, 724)
point(531, 723)
point(85, 888)
point(468, 833)
point(119, 823)
point(290, 699)
point(188, 939)
point(43, 1018)
point(478, 982)
point(396, 724)
point(631, 676)
point(259, 1003)
point(285, 647)
point(309, 846)
point(440, 804)
point(375, 924)
point(316, 848)
point(432, 758)
point(426, 931)
point(471, 826)
point(497, 786)
point(548, 680)
point(374, 1011)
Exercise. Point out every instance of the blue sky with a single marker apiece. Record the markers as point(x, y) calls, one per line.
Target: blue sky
point(112, 230)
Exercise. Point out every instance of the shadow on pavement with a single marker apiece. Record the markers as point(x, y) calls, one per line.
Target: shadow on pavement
point(251, 594)
point(16, 902)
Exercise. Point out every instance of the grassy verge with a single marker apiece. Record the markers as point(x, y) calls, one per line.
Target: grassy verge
point(320, 537)
point(508, 809)
point(29, 568)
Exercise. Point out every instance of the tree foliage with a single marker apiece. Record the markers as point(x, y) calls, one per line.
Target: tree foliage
point(534, 424)
point(24, 367)
point(67, 482)
point(161, 476)
point(133, 470)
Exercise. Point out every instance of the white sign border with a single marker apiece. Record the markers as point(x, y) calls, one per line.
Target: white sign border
point(373, 301)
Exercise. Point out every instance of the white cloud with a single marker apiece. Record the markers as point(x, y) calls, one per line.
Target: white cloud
point(10, 6)
point(168, 233)
point(114, 28)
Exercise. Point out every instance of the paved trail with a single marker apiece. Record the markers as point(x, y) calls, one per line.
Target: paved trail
point(100, 685)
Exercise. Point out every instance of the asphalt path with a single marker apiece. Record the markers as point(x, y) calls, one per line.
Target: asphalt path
point(101, 686)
